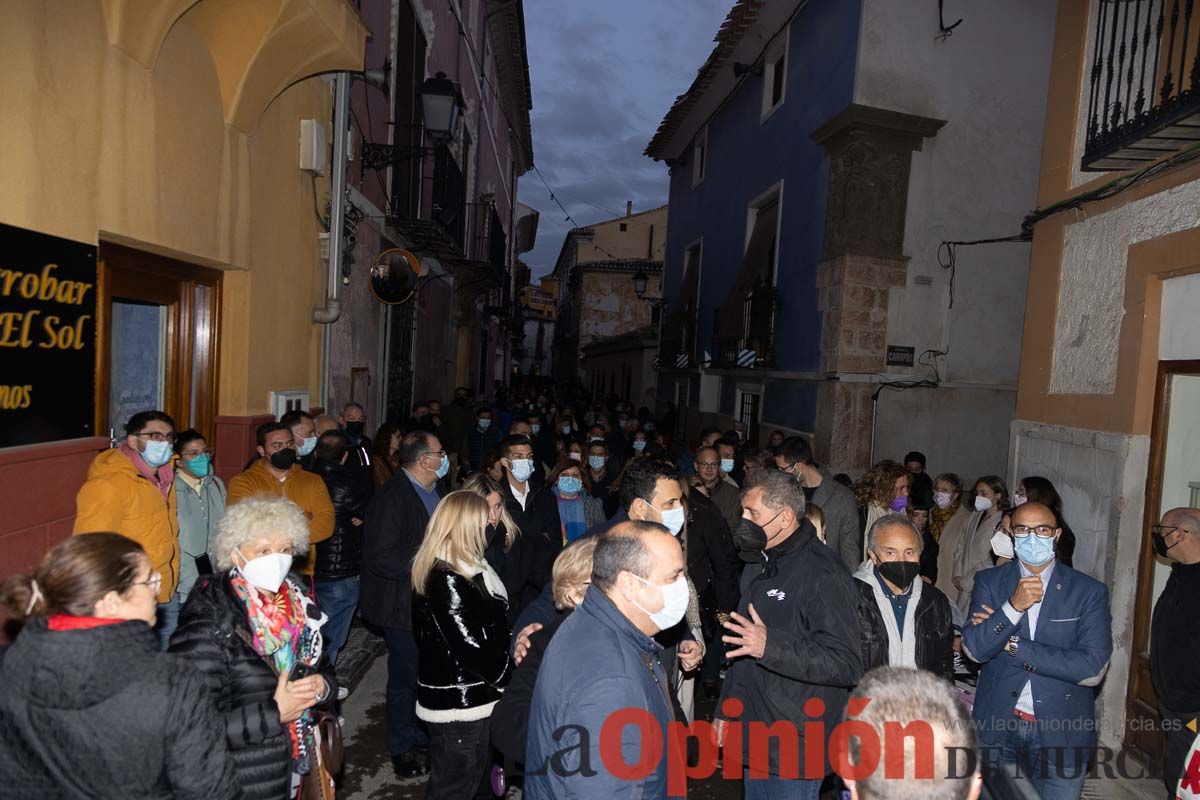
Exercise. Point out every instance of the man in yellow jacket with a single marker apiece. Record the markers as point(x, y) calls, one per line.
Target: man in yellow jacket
point(130, 490)
point(276, 474)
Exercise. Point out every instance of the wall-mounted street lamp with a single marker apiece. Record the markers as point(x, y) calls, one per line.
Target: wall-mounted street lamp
point(640, 281)
point(441, 107)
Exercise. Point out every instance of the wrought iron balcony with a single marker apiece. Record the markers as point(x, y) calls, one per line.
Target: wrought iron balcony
point(752, 343)
point(1144, 99)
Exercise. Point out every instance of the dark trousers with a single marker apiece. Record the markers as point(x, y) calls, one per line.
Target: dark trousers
point(459, 757)
point(1179, 742)
point(404, 730)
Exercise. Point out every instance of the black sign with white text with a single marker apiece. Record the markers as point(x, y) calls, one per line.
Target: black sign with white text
point(47, 337)
point(900, 356)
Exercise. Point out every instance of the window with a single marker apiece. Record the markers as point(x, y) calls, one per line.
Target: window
point(624, 227)
point(775, 75)
point(699, 157)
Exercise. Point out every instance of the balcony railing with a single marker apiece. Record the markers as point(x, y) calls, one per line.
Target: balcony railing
point(754, 346)
point(1144, 95)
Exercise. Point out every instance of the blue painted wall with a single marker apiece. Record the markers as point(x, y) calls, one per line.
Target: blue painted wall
point(746, 158)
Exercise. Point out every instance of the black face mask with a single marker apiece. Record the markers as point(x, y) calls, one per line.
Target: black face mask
point(900, 573)
point(1160, 545)
point(283, 459)
point(492, 532)
point(750, 538)
point(355, 428)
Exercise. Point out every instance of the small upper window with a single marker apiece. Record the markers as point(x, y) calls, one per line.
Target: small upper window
point(699, 156)
point(775, 76)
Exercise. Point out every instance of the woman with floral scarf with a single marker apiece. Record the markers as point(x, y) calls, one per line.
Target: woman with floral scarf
point(255, 632)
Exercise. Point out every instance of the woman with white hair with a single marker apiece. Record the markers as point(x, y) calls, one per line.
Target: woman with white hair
point(255, 633)
point(460, 620)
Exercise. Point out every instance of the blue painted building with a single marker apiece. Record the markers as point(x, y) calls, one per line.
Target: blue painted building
point(805, 164)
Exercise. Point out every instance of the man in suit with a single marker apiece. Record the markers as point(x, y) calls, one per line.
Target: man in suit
point(395, 526)
point(534, 509)
point(1043, 633)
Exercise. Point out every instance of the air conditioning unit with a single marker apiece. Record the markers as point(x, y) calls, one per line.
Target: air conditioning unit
point(291, 400)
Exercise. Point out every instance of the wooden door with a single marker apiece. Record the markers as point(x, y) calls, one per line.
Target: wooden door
point(1172, 464)
point(158, 327)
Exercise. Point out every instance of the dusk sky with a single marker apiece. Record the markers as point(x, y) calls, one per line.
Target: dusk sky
point(604, 75)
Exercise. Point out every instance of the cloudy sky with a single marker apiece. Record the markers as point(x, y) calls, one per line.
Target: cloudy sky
point(604, 73)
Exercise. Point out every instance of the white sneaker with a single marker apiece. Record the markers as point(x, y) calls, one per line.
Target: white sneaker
point(343, 693)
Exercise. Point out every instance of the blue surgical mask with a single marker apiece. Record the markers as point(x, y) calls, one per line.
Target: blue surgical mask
point(157, 453)
point(1033, 549)
point(727, 465)
point(306, 446)
point(484, 424)
point(569, 485)
point(639, 445)
point(522, 468)
point(536, 429)
point(596, 462)
point(443, 467)
point(200, 465)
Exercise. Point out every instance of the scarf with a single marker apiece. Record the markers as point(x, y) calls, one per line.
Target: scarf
point(286, 632)
point(938, 518)
point(163, 477)
point(571, 513)
point(491, 580)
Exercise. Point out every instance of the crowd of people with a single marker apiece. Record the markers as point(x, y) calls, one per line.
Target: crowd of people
point(538, 566)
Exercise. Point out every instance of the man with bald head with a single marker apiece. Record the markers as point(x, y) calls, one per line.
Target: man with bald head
point(602, 660)
point(1175, 636)
point(1043, 633)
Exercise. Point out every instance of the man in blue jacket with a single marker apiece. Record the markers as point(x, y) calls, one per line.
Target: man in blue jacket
point(1043, 633)
point(602, 661)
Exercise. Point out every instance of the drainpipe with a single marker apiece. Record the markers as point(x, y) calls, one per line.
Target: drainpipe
point(332, 310)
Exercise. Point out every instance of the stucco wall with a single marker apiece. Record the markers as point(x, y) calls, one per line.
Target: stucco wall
point(98, 147)
point(645, 236)
point(609, 305)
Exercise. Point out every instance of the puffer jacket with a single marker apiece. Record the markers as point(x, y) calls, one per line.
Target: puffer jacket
point(461, 627)
point(214, 636)
point(100, 712)
point(116, 498)
point(340, 556)
point(933, 626)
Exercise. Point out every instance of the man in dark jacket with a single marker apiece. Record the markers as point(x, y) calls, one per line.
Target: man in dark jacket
point(395, 526)
point(714, 567)
point(534, 509)
point(842, 532)
point(354, 425)
point(905, 621)
point(795, 636)
point(340, 556)
point(483, 437)
point(602, 661)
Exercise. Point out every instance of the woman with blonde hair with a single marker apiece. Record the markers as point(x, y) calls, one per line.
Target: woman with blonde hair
point(572, 577)
point(502, 547)
point(256, 634)
point(460, 621)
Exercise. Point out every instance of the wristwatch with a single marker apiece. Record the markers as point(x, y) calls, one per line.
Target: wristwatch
point(1013, 645)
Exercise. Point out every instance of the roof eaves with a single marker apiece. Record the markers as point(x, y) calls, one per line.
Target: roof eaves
point(739, 20)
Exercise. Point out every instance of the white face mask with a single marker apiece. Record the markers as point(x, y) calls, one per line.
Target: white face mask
point(673, 519)
point(1019, 500)
point(266, 572)
point(982, 503)
point(675, 602)
point(1002, 544)
point(943, 499)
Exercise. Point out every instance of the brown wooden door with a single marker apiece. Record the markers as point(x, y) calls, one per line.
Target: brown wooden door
point(158, 326)
point(1176, 419)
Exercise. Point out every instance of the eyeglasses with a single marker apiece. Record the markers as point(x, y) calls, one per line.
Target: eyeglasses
point(1165, 530)
point(154, 582)
point(155, 436)
point(708, 463)
point(208, 451)
point(1043, 531)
